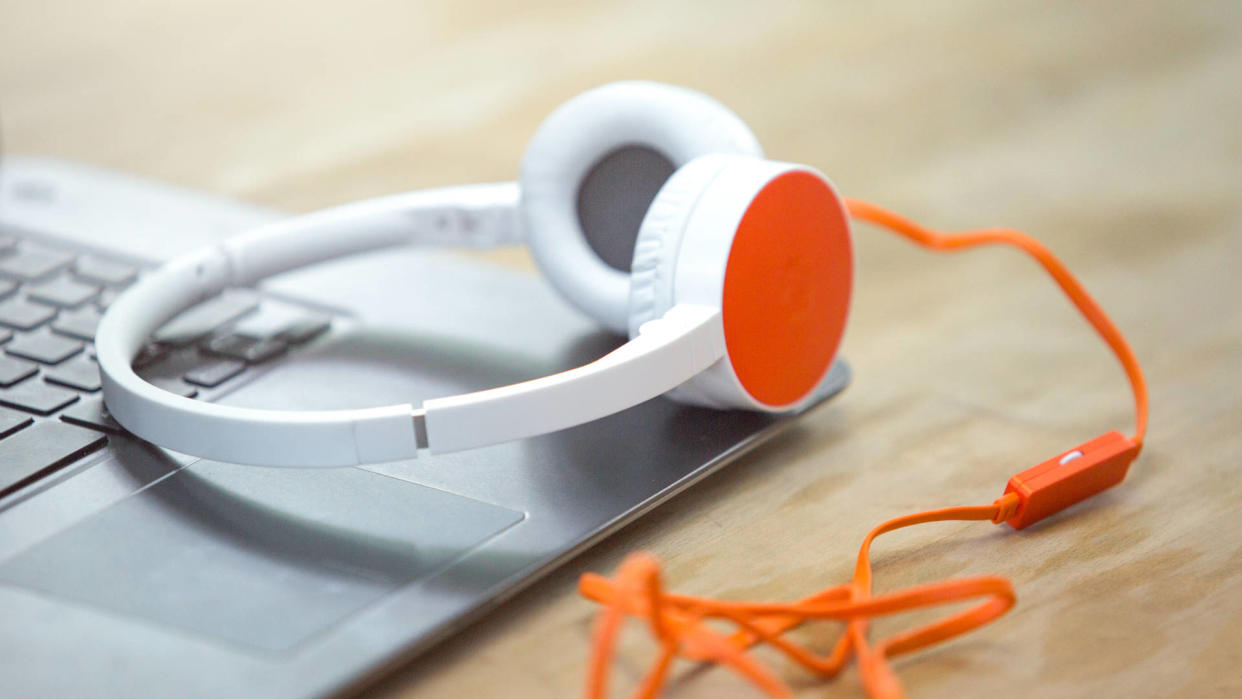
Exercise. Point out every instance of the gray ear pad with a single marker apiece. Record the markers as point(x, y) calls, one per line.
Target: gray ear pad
point(613, 198)
point(677, 123)
point(659, 239)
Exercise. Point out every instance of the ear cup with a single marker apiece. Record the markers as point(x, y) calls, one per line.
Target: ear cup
point(659, 239)
point(768, 243)
point(677, 123)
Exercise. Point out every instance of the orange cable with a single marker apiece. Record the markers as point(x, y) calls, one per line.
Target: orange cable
point(678, 622)
point(1060, 274)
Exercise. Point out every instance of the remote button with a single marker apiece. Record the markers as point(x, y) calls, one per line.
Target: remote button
point(44, 347)
point(30, 262)
point(23, 315)
point(245, 348)
point(81, 323)
point(105, 271)
point(92, 413)
point(36, 397)
point(82, 374)
point(214, 372)
point(11, 422)
point(14, 370)
point(39, 451)
point(199, 321)
point(62, 291)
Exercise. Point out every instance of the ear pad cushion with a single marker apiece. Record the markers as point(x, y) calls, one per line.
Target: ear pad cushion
point(679, 124)
point(659, 239)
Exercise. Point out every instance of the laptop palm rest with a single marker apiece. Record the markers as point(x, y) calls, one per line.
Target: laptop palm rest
point(261, 557)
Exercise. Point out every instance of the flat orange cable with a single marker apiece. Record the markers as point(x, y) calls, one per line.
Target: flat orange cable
point(1060, 274)
point(679, 622)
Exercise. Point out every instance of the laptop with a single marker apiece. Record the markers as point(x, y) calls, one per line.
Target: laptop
point(129, 570)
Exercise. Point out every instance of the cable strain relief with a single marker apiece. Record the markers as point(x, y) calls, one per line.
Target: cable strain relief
point(1006, 506)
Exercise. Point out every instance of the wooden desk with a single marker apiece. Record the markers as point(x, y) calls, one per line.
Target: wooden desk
point(1111, 132)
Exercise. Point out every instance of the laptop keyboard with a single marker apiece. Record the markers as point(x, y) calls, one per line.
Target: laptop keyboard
point(51, 300)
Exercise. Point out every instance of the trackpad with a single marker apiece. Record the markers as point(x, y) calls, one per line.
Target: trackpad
point(257, 556)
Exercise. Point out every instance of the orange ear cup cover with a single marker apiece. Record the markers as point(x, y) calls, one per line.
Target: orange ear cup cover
point(787, 288)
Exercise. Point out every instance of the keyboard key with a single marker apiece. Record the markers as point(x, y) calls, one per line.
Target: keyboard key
point(149, 354)
point(11, 422)
point(199, 321)
point(214, 372)
point(62, 291)
point(7, 286)
point(270, 319)
point(107, 272)
point(39, 451)
point(23, 315)
point(5, 335)
point(31, 262)
point(93, 414)
point(81, 373)
point(246, 348)
point(6, 242)
point(276, 319)
point(14, 370)
point(80, 323)
point(105, 298)
point(43, 347)
point(36, 397)
point(305, 330)
point(174, 385)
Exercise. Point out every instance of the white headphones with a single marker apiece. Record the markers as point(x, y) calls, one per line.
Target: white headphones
point(736, 297)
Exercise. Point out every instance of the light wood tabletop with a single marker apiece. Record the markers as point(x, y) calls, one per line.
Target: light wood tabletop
point(1111, 131)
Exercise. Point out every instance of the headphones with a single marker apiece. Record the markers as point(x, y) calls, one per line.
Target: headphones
point(737, 293)
point(737, 296)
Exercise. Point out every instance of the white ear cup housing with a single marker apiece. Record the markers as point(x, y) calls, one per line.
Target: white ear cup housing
point(678, 123)
point(659, 239)
point(782, 290)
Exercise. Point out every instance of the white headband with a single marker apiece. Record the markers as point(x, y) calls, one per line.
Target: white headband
point(665, 354)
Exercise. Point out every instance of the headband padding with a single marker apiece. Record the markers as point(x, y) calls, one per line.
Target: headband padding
point(678, 123)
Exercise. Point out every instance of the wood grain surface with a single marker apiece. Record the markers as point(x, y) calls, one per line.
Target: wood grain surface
point(1112, 131)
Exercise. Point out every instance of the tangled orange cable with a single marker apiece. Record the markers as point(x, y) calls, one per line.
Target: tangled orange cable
point(678, 622)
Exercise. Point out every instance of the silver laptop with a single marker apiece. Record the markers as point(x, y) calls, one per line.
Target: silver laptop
point(129, 570)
